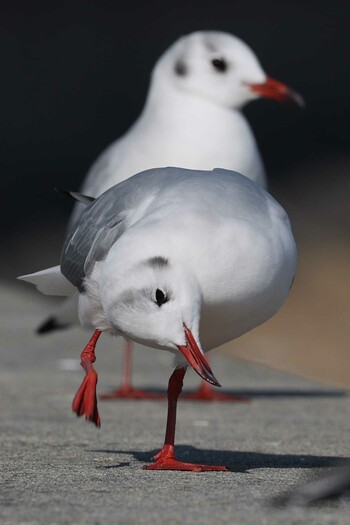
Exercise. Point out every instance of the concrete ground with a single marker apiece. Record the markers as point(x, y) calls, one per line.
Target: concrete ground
point(56, 469)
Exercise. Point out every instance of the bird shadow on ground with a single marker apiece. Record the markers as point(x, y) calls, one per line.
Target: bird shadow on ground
point(235, 461)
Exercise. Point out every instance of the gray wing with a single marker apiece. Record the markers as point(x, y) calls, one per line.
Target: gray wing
point(91, 238)
point(104, 220)
point(101, 223)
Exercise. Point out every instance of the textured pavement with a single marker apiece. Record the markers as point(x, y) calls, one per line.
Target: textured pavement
point(56, 469)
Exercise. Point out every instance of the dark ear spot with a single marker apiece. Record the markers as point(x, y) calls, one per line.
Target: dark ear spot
point(180, 68)
point(157, 261)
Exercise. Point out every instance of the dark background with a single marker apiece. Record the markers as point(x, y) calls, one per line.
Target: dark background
point(75, 75)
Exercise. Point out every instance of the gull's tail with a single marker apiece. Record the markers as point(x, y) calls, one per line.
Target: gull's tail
point(50, 282)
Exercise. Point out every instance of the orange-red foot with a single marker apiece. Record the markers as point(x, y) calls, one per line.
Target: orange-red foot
point(85, 401)
point(166, 460)
point(128, 392)
point(206, 393)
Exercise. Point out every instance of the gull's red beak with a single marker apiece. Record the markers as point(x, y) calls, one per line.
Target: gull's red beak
point(196, 359)
point(276, 90)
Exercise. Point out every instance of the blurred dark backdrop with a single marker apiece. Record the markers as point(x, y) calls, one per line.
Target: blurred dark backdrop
point(75, 76)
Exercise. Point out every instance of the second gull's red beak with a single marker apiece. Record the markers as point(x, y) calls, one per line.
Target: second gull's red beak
point(196, 359)
point(271, 88)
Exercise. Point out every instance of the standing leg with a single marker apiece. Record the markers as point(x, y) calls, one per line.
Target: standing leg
point(127, 391)
point(165, 459)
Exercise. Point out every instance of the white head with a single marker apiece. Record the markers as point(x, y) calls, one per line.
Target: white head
point(218, 67)
point(156, 302)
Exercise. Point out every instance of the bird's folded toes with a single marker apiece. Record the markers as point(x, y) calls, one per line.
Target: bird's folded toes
point(85, 400)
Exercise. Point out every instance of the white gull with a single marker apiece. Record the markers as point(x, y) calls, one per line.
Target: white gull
point(179, 260)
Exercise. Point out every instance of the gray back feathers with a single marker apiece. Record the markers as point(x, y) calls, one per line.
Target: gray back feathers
point(100, 225)
point(105, 219)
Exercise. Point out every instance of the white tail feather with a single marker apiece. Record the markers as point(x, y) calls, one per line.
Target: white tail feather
point(50, 282)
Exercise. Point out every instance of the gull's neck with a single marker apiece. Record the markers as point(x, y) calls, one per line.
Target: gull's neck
point(196, 132)
point(166, 103)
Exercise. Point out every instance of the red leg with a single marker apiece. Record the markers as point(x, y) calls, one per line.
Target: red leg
point(85, 400)
point(127, 391)
point(207, 393)
point(165, 459)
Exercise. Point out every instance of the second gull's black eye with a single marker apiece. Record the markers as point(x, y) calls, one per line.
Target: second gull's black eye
point(220, 64)
point(161, 298)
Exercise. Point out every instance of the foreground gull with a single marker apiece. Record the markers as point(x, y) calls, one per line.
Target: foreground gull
point(192, 118)
point(178, 260)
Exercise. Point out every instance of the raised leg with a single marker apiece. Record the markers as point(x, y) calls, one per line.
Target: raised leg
point(127, 391)
point(85, 400)
point(165, 459)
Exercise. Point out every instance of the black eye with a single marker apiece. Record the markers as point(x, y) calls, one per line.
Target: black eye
point(161, 298)
point(220, 64)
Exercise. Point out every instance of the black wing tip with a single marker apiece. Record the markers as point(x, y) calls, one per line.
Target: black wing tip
point(49, 325)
